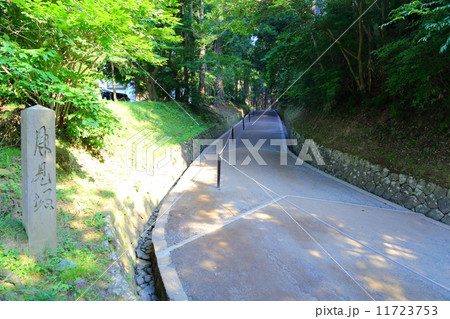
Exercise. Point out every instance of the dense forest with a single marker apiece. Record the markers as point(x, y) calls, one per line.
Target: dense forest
point(323, 55)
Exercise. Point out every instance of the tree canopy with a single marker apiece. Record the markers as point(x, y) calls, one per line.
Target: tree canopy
point(52, 53)
point(312, 53)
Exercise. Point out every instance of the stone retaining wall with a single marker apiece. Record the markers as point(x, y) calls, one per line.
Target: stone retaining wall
point(139, 193)
point(417, 195)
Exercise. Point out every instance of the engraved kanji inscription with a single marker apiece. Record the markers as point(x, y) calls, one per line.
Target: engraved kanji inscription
point(42, 175)
point(42, 142)
point(43, 200)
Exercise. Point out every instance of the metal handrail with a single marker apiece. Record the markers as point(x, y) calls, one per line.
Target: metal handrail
point(231, 134)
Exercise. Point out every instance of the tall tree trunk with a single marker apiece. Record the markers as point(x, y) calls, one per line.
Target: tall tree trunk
point(247, 89)
point(186, 83)
point(359, 74)
point(362, 88)
point(113, 82)
point(185, 35)
point(317, 51)
point(202, 75)
point(264, 99)
point(151, 85)
point(220, 92)
point(383, 20)
point(369, 66)
point(152, 94)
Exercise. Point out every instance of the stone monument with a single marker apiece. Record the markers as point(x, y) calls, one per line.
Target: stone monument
point(39, 178)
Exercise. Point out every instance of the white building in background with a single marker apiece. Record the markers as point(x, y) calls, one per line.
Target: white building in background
point(123, 92)
point(318, 7)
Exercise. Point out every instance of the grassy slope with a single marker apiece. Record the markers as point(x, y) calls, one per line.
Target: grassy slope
point(163, 118)
point(417, 146)
point(80, 201)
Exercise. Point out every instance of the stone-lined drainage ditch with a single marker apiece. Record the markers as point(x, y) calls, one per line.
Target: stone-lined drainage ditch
point(149, 285)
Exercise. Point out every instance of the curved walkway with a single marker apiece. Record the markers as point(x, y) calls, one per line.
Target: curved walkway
point(291, 232)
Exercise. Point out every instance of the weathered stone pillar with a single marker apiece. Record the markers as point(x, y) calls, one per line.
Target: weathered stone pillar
point(39, 178)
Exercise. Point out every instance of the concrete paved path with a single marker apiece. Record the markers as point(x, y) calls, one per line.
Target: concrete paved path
point(291, 232)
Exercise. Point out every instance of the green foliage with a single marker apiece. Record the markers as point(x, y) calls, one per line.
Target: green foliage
point(10, 188)
point(81, 114)
point(416, 65)
point(96, 221)
point(22, 71)
point(40, 277)
point(51, 53)
point(399, 63)
point(11, 227)
point(59, 282)
point(434, 20)
point(87, 266)
point(250, 52)
point(90, 122)
point(414, 74)
point(9, 157)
